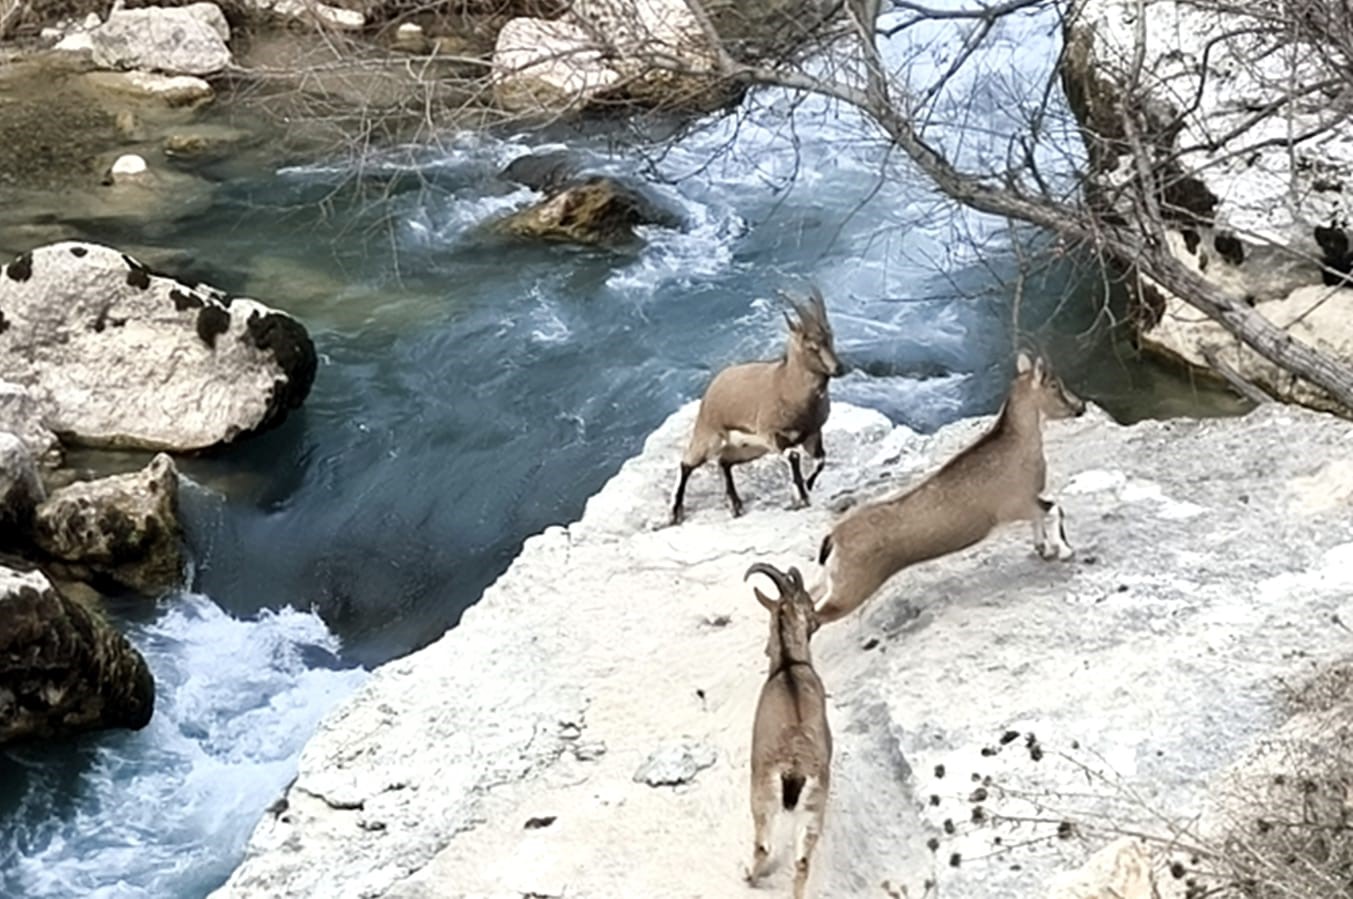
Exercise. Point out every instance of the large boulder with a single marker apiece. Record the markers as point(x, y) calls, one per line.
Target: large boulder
point(124, 357)
point(176, 40)
point(594, 210)
point(63, 668)
point(1255, 213)
point(125, 527)
point(980, 702)
point(651, 53)
point(20, 488)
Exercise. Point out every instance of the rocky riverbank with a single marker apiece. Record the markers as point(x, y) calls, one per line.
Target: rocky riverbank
point(584, 731)
point(97, 350)
point(1251, 177)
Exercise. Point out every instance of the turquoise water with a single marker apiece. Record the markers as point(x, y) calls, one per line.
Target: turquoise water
point(473, 390)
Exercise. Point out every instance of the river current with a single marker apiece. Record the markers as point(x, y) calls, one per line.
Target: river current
point(473, 390)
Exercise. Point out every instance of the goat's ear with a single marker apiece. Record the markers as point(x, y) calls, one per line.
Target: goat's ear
point(1023, 363)
point(764, 600)
point(794, 327)
point(1040, 370)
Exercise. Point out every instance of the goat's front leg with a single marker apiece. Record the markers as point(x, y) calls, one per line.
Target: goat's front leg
point(731, 491)
point(813, 446)
point(1050, 531)
point(797, 471)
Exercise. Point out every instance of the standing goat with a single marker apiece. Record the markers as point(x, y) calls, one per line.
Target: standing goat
point(998, 479)
point(791, 743)
point(751, 409)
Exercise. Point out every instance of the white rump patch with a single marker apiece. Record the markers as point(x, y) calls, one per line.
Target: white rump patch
point(747, 439)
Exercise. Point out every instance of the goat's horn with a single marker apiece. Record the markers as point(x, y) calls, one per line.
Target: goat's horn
point(816, 296)
point(782, 583)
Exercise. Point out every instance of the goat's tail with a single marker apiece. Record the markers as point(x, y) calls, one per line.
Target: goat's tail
point(791, 787)
point(825, 550)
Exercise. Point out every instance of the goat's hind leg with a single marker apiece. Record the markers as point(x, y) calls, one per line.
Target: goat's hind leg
point(1050, 531)
point(731, 491)
point(679, 495)
point(763, 815)
point(812, 808)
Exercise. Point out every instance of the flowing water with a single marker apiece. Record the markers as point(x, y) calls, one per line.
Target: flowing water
point(471, 391)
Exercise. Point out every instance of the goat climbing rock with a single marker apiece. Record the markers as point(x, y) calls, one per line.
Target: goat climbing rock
point(124, 357)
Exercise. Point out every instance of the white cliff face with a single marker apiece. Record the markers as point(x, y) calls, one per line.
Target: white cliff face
point(1260, 198)
point(502, 760)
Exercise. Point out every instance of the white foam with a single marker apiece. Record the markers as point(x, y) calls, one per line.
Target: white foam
point(166, 811)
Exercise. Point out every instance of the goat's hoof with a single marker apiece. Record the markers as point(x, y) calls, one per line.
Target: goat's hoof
point(677, 518)
point(737, 511)
point(1051, 552)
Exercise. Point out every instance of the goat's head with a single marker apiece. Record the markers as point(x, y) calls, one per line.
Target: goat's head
point(1036, 383)
point(810, 335)
point(793, 620)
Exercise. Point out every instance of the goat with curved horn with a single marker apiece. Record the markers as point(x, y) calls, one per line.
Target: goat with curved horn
point(791, 741)
point(999, 478)
point(755, 408)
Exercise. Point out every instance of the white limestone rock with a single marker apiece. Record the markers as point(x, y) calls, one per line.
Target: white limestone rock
point(1205, 575)
point(171, 90)
point(676, 764)
point(177, 40)
point(603, 46)
point(124, 357)
point(25, 415)
point(311, 12)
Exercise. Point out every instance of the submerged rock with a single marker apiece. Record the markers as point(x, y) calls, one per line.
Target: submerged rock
point(63, 669)
point(124, 526)
point(171, 90)
point(996, 686)
point(597, 210)
point(124, 357)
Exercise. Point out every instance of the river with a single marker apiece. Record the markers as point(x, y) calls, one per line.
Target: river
point(470, 392)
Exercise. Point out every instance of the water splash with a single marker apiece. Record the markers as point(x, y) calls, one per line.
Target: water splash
point(166, 811)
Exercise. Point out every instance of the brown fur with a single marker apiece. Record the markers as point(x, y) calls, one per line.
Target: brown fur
point(754, 408)
point(998, 479)
point(791, 741)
